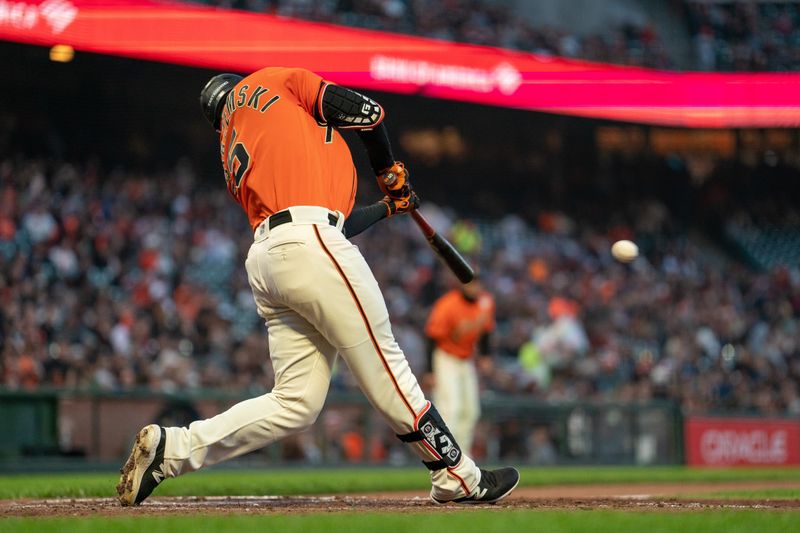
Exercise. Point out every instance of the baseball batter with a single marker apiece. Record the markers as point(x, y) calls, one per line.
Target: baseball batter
point(459, 325)
point(288, 167)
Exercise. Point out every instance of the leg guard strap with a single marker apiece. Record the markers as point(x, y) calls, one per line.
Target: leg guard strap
point(436, 437)
point(435, 465)
point(414, 436)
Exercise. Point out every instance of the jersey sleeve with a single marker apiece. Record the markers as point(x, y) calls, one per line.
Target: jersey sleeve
point(307, 88)
point(439, 323)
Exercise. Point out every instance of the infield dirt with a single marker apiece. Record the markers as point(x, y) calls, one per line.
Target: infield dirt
point(641, 497)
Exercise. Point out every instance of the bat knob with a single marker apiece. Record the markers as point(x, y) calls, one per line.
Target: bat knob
point(389, 179)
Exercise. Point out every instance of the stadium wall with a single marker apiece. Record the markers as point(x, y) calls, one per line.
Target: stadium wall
point(96, 428)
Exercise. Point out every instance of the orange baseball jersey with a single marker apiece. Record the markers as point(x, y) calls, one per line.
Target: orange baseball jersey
point(276, 151)
point(457, 324)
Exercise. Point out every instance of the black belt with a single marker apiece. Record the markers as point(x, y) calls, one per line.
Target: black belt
point(282, 217)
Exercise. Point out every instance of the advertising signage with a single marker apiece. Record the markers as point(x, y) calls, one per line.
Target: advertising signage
point(711, 441)
point(220, 39)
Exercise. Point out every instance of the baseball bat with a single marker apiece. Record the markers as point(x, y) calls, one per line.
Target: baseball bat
point(454, 261)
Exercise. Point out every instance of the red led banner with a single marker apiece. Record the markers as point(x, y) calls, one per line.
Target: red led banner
point(240, 41)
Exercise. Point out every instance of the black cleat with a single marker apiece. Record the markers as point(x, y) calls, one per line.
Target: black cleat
point(144, 469)
point(493, 487)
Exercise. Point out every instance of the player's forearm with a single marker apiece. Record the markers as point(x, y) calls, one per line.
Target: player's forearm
point(363, 217)
point(484, 347)
point(430, 347)
point(379, 149)
point(345, 108)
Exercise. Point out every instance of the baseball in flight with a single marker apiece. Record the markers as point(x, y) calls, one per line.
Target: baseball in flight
point(624, 251)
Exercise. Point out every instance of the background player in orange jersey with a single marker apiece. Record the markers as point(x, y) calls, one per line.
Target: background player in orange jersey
point(288, 167)
point(460, 322)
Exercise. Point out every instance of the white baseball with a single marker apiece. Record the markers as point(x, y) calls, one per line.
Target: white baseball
point(624, 251)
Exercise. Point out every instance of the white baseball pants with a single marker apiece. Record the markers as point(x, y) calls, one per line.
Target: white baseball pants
point(319, 299)
point(457, 395)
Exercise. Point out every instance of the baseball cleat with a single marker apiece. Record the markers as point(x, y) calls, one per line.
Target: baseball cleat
point(144, 469)
point(493, 487)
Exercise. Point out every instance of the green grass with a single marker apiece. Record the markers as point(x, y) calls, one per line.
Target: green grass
point(483, 521)
point(321, 481)
point(760, 494)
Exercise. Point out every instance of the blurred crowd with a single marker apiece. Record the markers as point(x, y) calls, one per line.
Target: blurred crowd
point(119, 280)
point(727, 35)
point(757, 36)
point(479, 22)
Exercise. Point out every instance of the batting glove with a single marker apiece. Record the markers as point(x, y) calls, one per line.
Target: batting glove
point(397, 206)
point(394, 181)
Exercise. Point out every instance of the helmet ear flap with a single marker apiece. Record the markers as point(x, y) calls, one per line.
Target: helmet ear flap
point(212, 97)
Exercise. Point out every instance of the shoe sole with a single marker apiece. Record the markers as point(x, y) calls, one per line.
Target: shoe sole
point(142, 456)
point(478, 502)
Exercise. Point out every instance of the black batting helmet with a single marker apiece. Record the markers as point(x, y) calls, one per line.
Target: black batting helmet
point(213, 95)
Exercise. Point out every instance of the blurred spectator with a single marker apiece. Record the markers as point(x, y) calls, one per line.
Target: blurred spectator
point(543, 451)
point(564, 340)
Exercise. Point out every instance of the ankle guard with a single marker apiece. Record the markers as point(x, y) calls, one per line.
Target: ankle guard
point(434, 435)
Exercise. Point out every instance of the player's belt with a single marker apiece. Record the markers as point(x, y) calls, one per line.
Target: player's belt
point(282, 217)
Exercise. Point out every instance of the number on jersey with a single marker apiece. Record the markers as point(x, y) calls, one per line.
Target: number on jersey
point(238, 162)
